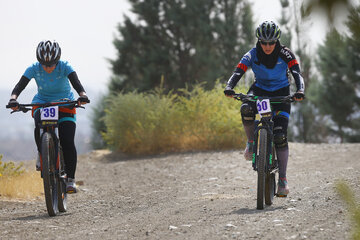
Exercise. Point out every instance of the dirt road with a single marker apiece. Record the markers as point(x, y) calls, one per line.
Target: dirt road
point(209, 195)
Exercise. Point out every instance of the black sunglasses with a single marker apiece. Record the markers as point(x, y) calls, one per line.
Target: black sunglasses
point(49, 65)
point(267, 43)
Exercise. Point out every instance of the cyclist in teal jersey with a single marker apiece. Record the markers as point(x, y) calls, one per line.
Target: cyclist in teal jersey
point(52, 78)
point(270, 62)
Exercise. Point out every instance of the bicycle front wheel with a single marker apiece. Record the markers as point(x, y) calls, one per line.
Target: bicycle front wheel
point(61, 185)
point(49, 173)
point(261, 168)
point(270, 183)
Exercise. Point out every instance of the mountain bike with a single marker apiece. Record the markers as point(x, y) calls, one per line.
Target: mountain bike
point(51, 156)
point(264, 159)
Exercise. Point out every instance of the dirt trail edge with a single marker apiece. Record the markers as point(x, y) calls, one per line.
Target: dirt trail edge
point(209, 195)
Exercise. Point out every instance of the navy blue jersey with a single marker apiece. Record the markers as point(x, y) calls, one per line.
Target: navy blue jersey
point(269, 79)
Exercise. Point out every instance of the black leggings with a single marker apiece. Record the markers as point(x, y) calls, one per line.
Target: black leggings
point(66, 136)
point(281, 113)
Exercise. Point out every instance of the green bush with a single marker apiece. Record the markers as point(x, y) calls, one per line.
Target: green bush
point(98, 125)
point(154, 122)
point(353, 206)
point(10, 169)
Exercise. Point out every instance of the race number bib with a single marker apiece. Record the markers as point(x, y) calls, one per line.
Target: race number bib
point(50, 113)
point(263, 107)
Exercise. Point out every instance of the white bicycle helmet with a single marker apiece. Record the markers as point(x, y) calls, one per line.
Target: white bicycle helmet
point(48, 53)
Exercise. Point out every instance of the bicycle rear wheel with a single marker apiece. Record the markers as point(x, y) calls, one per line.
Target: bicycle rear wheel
point(49, 173)
point(261, 168)
point(269, 188)
point(61, 185)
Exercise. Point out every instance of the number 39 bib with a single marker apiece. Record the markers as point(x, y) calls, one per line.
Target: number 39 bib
point(50, 113)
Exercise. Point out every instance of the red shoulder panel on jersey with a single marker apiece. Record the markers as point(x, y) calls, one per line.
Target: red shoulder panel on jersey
point(242, 66)
point(292, 63)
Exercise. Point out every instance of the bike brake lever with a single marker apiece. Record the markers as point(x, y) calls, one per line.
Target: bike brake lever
point(291, 98)
point(20, 110)
point(239, 96)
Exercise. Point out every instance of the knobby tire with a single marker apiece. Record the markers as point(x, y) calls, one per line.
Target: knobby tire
point(61, 185)
point(48, 173)
point(269, 188)
point(261, 168)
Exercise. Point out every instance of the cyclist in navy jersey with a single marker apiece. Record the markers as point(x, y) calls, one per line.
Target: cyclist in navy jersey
point(270, 62)
point(52, 77)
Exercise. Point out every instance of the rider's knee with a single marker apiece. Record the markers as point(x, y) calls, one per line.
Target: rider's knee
point(247, 113)
point(280, 140)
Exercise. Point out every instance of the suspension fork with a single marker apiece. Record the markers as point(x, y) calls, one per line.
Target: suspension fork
point(255, 144)
point(268, 126)
point(57, 146)
point(270, 153)
point(52, 130)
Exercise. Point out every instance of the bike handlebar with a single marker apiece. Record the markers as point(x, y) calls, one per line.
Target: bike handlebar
point(25, 107)
point(253, 98)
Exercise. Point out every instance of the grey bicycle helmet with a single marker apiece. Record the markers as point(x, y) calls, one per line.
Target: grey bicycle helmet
point(48, 53)
point(268, 31)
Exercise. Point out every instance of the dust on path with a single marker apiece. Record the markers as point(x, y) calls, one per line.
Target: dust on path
point(209, 195)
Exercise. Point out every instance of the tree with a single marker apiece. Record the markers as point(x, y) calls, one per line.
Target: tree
point(304, 125)
point(340, 79)
point(353, 67)
point(181, 41)
point(337, 94)
point(285, 23)
point(332, 8)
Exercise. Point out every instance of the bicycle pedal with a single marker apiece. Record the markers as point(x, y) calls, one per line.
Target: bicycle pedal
point(281, 195)
point(71, 191)
point(64, 176)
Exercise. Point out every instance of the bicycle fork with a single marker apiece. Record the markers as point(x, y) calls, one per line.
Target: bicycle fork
point(60, 171)
point(57, 171)
point(268, 126)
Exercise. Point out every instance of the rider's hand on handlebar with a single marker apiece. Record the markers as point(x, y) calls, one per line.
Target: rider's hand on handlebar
point(229, 92)
point(13, 104)
point(299, 96)
point(83, 100)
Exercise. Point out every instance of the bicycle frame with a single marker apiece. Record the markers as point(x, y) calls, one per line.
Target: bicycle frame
point(266, 123)
point(53, 173)
point(263, 159)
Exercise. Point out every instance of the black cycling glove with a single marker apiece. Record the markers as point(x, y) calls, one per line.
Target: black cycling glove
point(83, 99)
point(12, 103)
point(299, 95)
point(229, 91)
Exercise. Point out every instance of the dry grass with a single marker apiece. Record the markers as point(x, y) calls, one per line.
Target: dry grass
point(26, 186)
point(154, 122)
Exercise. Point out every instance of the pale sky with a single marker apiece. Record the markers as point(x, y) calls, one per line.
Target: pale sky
point(84, 29)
